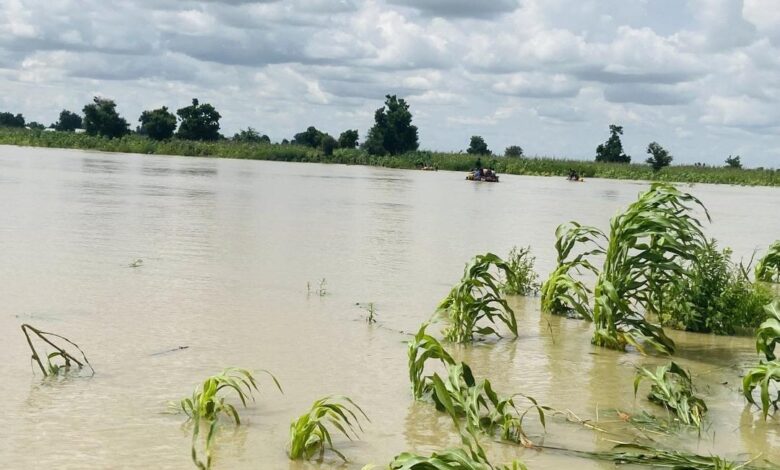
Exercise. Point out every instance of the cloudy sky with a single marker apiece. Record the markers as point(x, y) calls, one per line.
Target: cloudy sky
point(701, 77)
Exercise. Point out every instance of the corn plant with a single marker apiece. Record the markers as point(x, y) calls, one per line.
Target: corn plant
point(671, 387)
point(59, 360)
point(524, 280)
point(562, 292)
point(208, 403)
point(647, 244)
point(765, 374)
point(422, 348)
point(768, 267)
point(475, 298)
point(635, 454)
point(309, 434)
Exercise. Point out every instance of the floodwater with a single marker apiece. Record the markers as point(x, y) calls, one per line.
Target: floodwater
point(228, 249)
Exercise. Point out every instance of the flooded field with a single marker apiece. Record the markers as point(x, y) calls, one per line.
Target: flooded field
point(229, 248)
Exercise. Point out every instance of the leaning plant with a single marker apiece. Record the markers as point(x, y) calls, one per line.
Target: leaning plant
point(477, 298)
point(671, 387)
point(60, 360)
point(310, 435)
point(424, 347)
point(768, 267)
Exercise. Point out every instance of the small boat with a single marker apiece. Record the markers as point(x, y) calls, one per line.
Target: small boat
point(488, 179)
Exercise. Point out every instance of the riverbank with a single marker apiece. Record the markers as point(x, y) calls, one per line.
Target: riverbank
point(537, 166)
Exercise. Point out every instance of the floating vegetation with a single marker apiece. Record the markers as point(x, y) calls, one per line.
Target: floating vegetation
point(59, 361)
point(475, 298)
point(647, 245)
point(208, 403)
point(563, 293)
point(309, 434)
point(635, 454)
point(524, 280)
point(671, 387)
point(768, 267)
point(766, 375)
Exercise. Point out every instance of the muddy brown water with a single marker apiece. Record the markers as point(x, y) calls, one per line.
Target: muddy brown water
point(228, 248)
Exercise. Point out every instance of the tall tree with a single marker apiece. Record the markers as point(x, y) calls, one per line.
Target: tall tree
point(158, 124)
point(249, 135)
point(9, 120)
point(733, 162)
point(35, 125)
point(68, 121)
point(311, 137)
point(393, 131)
point(659, 156)
point(348, 139)
point(101, 118)
point(612, 149)
point(198, 122)
point(328, 144)
point(513, 151)
point(477, 146)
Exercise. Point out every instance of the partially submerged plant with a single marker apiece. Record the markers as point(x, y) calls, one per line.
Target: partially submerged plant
point(647, 245)
point(671, 387)
point(58, 361)
point(635, 454)
point(475, 298)
point(768, 267)
point(524, 280)
point(766, 374)
point(309, 434)
point(562, 292)
point(422, 348)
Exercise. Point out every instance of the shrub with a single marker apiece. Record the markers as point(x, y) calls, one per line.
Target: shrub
point(524, 280)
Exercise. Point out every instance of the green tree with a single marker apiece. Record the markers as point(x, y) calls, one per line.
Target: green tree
point(158, 124)
point(198, 122)
point(659, 156)
point(348, 139)
point(249, 135)
point(612, 149)
point(477, 146)
point(328, 144)
point(733, 162)
point(68, 121)
point(36, 125)
point(513, 151)
point(393, 131)
point(311, 137)
point(101, 118)
point(9, 120)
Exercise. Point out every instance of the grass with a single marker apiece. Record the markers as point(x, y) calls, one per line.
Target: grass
point(478, 297)
point(768, 267)
point(648, 244)
point(563, 293)
point(537, 166)
point(524, 280)
point(715, 296)
point(671, 387)
point(309, 434)
point(60, 360)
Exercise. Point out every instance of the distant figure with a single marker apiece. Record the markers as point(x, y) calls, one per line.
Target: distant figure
point(479, 163)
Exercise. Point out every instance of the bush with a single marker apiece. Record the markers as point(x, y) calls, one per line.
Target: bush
point(715, 296)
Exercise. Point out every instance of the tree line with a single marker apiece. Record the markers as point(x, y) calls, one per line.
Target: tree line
point(392, 133)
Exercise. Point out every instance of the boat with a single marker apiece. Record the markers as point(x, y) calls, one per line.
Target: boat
point(488, 179)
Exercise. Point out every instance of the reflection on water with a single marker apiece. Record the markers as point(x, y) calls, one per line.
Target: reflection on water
point(228, 247)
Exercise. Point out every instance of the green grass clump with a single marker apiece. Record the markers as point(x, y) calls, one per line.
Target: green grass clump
point(524, 281)
point(478, 297)
point(768, 267)
point(564, 293)
point(714, 296)
point(671, 387)
point(309, 434)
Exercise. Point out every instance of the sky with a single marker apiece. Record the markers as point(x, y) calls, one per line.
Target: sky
point(701, 77)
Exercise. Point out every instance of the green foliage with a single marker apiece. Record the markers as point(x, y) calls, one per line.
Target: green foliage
point(477, 146)
point(765, 374)
point(328, 144)
point(309, 434)
point(35, 125)
point(513, 151)
point(647, 246)
point(68, 121)
point(422, 348)
point(101, 118)
point(733, 162)
point(612, 149)
point(635, 454)
point(671, 387)
point(393, 132)
point(478, 297)
point(768, 267)
point(198, 122)
point(9, 120)
point(524, 280)
point(659, 156)
point(60, 360)
point(311, 137)
point(348, 139)
point(562, 292)
point(768, 335)
point(714, 296)
point(158, 124)
point(249, 135)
